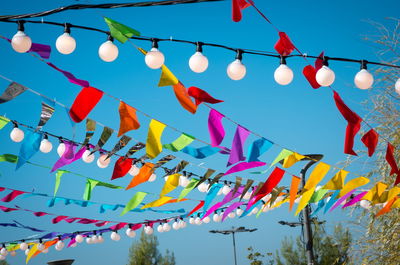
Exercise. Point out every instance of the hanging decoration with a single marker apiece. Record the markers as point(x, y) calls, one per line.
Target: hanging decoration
point(239, 139)
point(12, 91)
point(201, 96)
point(128, 119)
point(153, 144)
point(215, 127)
point(84, 103)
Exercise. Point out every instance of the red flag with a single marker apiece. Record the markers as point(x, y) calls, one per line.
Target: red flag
point(237, 7)
point(309, 72)
point(319, 62)
point(392, 162)
point(284, 45)
point(121, 167)
point(12, 195)
point(84, 103)
point(370, 139)
point(353, 123)
point(202, 96)
point(195, 209)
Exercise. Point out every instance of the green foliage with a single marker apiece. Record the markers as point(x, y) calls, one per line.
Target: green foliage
point(256, 257)
point(3, 262)
point(145, 252)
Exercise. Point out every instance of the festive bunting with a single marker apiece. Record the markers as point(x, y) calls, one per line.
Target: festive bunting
point(305, 198)
point(59, 174)
point(386, 208)
point(230, 209)
point(356, 199)
point(42, 50)
point(92, 183)
point(237, 7)
point(375, 192)
point(353, 123)
point(392, 162)
point(370, 140)
point(105, 135)
point(281, 156)
point(84, 103)
point(337, 181)
point(122, 142)
point(294, 187)
point(292, 159)
point(68, 156)
point(201, 96)
point(171, 184)
point(32, 250)
point(12, 91)
point(342, 199)
point(216, 178)
point(246, 187)
point(167, 78)
point(128, 119)
point(192, 184)
point(153, 144)
point(134, 202)
point(215, 127)
point(144, 174)
point(284, 45)
point(238, 184)
point(353, 184)
point(181, 142)
point(244, 166)
point(121, 167)
point(47, 112)
point(119, 31)
point(257, 148)
point(201, 152)
point(182, 95)
point(3, 122)
point(195, 209)
point(29, 147)
point(12, 195)
point(239, 139)
point(90, 128)
point(309, 73)
point(331, 201)
point(318, 195)
point(137, 147)
point(165, 160)
point(178, 168)
point(206, 176)
point(211, 194)
point(317, 175)
point(71, 78)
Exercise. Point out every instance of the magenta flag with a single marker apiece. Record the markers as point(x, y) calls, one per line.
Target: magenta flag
point(68, 156)
point(239, 139)
point(12, 195)
point(342, 199)
point(356, 199)
point(244, 166)
point(71, 78)
point(231, 208)
point(215, 127)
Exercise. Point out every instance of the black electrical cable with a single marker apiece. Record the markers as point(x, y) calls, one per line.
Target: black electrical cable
point(104, 6)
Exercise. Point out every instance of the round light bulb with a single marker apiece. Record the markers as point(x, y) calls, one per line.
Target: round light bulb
point(206, 220)
point(153, 177)
point(154, 58)
point(41, 247)
point(176, 225)
point(115, 236)
point(46, 250)
point(365, 204)
point(57, 248)
point(87, 157)
point(17, 135)
point(100, 165)
point(73, 245)
point(231, 215)
point(45, 146)
point(94, 239)
point(182, 224)
point(203, 187)
point(60, 245)
point(27, 251)
point(89, 240)
point(108, 51)
point(104, 160)
point(283, 75)
point(13, 253)
point(226, 189)
point(325, 76)
point(4, 252)
point(183, 181)
point(397, 86)
point(160, 228)
point(247, 196)
point(65, 43)
point(255, 210)
point(198, 221)
point(191, 220)
point(236, 70)
point(166, 227)
point(148, 230)
point(79, 238)
point(23, 246)
point(61, 149)
point(239, 211)
point(100, 239)
point(130, 233)
point(216, 217)
point(21, 42)
point(363, 79)
point(134, 170)
point(198, 63)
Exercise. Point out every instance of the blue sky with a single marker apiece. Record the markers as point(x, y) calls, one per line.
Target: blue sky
point(295, 116)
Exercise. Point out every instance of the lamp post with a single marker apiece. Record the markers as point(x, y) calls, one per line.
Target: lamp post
point(233, 231)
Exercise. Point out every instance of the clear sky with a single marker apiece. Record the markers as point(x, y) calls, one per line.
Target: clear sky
point(295, 116)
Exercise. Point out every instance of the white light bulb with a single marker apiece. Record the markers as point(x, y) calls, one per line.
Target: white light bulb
point(89, 240)
point(130, 233)
point(247, 196)
point(266, 208)
point(27, 251)
point(166, 227)
point(4, 252)
point(65, 43)
point(226, 189)
point(115, 236)
point(94, 239)
point(220, 216)
point(60, 245)
point(153, 177)
point(203, 187)
point(46, 250)
point(73, 245)
point(100, 239)
point(206, 220)
point(239, 211)
point(363, 79)
point(255, 210)
point(13, 253)
point(148, 230)
point(397, 86)
point(176, 225)
point(41, 247)
point(21, 42)
point(183, 181)
point(45, 146)
point(182, 224)
point(198, 221)
point(61, 149)
point(87, 157)
point(231, 215)
point(283, 75)
point(134, 170)
point(365, 204)
point(100, 165)
point(160, 228)
point(154, 58)
point(104, 160)
point(108, 51)
point(191, 220)
point(236, 70)
point(198, 63)
point(57, 248)
point(23, 246)
point(219, 192)
point(216, 217)
point(79, 238)
point(325, 76)
point(17, 135)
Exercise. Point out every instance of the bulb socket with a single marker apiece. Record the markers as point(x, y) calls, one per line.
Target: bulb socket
point(363, 64)
point(283, 60)
point(199, 46)
point(67, 28)
point(325, 60)
point(109, 37)
point(21, 24)
point(154, 43)
point(239, 54)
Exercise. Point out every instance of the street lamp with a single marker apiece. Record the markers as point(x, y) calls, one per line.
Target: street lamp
point(233, 231)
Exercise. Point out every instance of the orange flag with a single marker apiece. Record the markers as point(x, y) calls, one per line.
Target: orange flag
point(182, 95)
point(294, 187)
point(143, 176)
point(128, 118)
point(387, 207)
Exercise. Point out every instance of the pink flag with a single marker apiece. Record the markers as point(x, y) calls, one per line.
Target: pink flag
point(239, 139)
point(215, 127)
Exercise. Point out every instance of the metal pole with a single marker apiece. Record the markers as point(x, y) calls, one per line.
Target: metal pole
point(234, 247)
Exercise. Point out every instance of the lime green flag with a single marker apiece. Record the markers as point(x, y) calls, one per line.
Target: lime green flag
point(92, 183)
point(134, 202)
point(59, 174)
point(181, 142)
point(3, 122)
point(119, 31)
point(8, 158)
point(192, 184)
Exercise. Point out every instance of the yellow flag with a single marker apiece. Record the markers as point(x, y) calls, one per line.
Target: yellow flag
point(153, 144)
point(167, 77)
point(396, 204)
point(305, 198)
point(157, 203)
point(281, 156)
point(375, 192)
point(31, 252)
point(171, 184)
point(353, 184)
point(386, 196)
point(291, 160)
point(317, 175)
point(337, 182)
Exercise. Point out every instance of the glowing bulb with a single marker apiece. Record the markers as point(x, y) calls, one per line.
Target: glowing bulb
point(198, 63)
point(176, 225)
point(183, 181)
point(154, 58)
point(216, 218)
point(236, 70)
point(203, 187)
point(108, 51)
point(153, 177)
point(160, 228)
point(21, 42)
point(89, 240)
point(100, 239)
point(191, 220)
point(365, 204)
point(13, 253)
point(206, 220)
point(166, 227)
point(397, 86)
point(115, 236)
point(104, 160)
point(134, 170)
point(23, 246)
point(325, 76)
point(27, 251)
point(239, 211)
point(4, 251)
point(79, 238)
point(65, 43)
point(87, 157)
point(41, 247)
point(247, 196)
point(94, 239)
point(198, 221)
point(231, 215)
point(61, 149)
point(17, 135)
point(45, 146)
point(283, 75)
point(182, 224)
point(130, 232)
point(60, 245)
point(226, 189)
point(363, 79)
point(148, 230)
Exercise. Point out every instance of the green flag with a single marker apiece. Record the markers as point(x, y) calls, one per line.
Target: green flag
point(189, 188)
point(134, 202)
point(3, 122)
point(59, 174)
point(119, 31)
point(8, 158)
point(181, 142)
point(92, 183)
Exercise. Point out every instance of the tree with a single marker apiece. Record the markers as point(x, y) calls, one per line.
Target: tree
point(3, 262)
point(145, 252)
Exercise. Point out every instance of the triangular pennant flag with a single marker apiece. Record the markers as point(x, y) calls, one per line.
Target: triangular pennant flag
point(128, 119)
point(183, 97)
point(29, 147)
point(167, 78)
point(144, 174)
point(201, 96)
point(57, 183)
point(244, 166)
point(121, 167)
point(92, 183)
point(119, 31)
point(237, 7)
point(134, 202)
point(353, 184)
point(181, 142)
point(392, 162)
point(215, 127)
point(281, 156)
point(257, 148)
point(292, 159)
point(305, 198)
point(317, 175)
point(284, 45)
point(47, 113)
point(171, 184)
point(3, 121)
point(122, 142)
point(370, 140)
point(294, 187)
point(157, 203)
point(192, 184)
point(309, 73)
point(84, 103)
point(90, 128)
point(153, 144)
point(337, 181)
point(12, 91)
point(239, 139)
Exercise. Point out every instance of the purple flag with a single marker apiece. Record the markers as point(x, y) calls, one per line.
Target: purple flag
point(41, 49)
point(341, 200)
point(231, 208)
point(228, 197)
point(215, 127)
point(244, 166)
point(239, 139)
point(356, 199)
point(71, 78)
